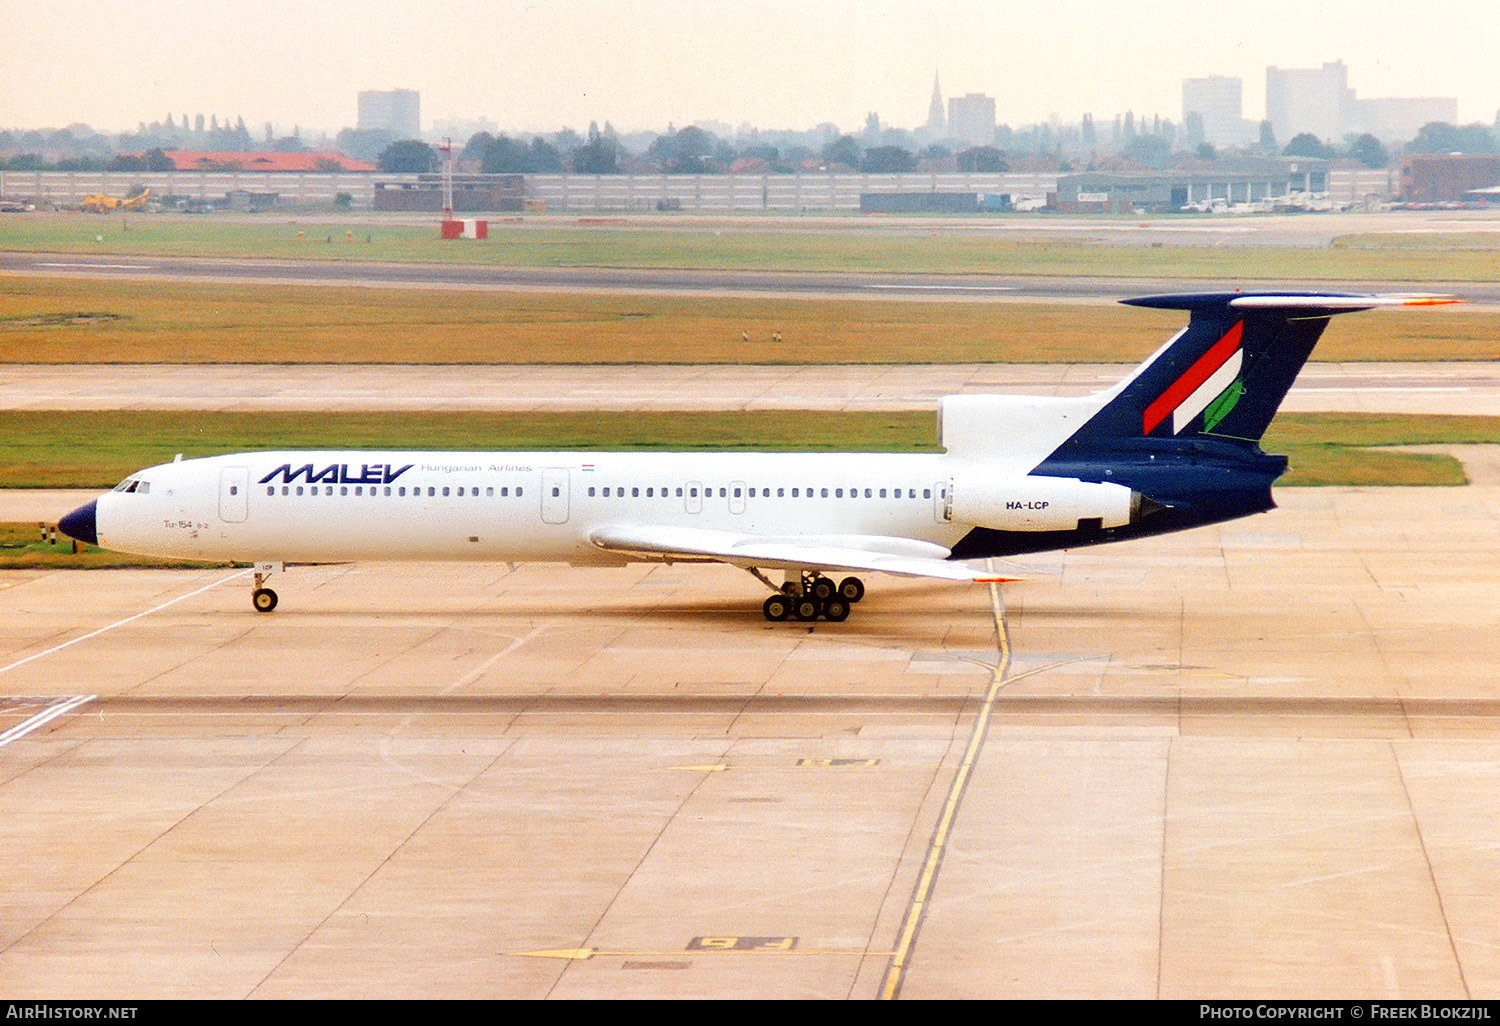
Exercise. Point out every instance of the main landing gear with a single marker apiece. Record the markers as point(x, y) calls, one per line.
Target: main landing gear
point(810, 595)
point(261, 597)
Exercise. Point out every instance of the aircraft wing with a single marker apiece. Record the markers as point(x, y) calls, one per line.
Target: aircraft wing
point(903, 557)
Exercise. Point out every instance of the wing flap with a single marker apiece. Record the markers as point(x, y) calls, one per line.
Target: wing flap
point(902, 557)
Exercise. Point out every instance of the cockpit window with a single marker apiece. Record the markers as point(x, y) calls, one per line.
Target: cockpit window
point(134, 484)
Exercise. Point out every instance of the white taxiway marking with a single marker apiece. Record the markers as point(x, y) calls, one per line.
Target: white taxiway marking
point(120, 623)
point(62, 705)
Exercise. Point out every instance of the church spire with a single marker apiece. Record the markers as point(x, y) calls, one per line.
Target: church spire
point(937, 122)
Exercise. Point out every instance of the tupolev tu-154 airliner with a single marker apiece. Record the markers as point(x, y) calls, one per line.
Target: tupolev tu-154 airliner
point(1174, 445)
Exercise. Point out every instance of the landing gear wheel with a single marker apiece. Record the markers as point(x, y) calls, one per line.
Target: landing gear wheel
point(851, 589)
point(822, 589)
point(263, 599)
point(836, 610)
point(777, 608)
point(806, 609)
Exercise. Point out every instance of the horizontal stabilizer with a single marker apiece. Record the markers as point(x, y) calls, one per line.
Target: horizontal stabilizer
point(1331, 302)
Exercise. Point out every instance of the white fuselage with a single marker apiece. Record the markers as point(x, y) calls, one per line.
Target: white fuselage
point(334, 506)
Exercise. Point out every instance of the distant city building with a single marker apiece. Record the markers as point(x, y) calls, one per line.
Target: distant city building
point(1401, 119)
point(937, 124)
point(1217, 101)
point(1319, 101)
point(972, 118)
point(396, 111)
point(1312, 100)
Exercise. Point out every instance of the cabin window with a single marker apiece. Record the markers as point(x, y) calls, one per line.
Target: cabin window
point(299, 489)
point(736, 493)
point(518, 492)
point(445, 491)
point(556, 491)
point(882, 493)
point(285, 490)
point(650, 492)
point(270, 490)
point(591, 491)
point(693, 493)
point(867, 492)
point(838, 493)
point(234, 489)
point(926, 493)
point(635, 493)
point(489, 493)
point(460, 492)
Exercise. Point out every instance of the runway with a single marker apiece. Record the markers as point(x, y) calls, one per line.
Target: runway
point(1253, 761)
point(1349, 387)
point(935, 287)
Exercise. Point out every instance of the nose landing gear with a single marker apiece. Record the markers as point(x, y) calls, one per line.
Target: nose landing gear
point(261, 597)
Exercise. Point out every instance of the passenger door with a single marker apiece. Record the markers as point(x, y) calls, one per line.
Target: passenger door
point(942, 501)
point(234, 494)
point(555, 496)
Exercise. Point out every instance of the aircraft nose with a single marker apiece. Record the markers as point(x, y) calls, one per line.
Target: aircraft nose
point(80, 524)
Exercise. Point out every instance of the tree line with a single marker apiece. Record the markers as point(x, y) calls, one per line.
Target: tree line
point(1128, 141)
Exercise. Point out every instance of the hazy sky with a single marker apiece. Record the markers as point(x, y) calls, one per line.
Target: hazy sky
point(774, 63)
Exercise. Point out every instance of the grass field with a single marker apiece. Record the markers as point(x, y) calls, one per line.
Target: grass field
point(1451, 242)
point(23, 548)
point(97, 449)
point(862, 246)
point(45, 320)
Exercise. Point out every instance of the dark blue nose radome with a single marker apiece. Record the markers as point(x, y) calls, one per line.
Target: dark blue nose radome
point(80, 524)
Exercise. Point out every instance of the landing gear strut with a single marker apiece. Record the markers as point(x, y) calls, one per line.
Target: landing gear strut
point(261, 597)
point(808, 595)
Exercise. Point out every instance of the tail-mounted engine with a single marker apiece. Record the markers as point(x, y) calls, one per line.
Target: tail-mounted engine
point(1043, 503)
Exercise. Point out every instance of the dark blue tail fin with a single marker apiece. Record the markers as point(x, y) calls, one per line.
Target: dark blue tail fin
point(1227, 372)
point(1182, 432)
